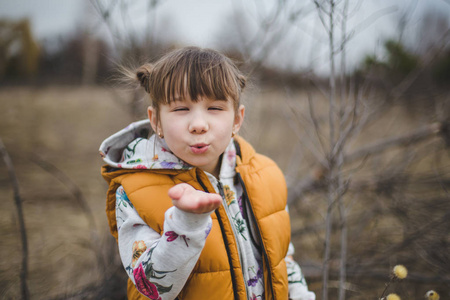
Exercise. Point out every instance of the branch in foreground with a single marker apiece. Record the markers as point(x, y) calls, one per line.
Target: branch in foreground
point(77, 193)
point(23, 231)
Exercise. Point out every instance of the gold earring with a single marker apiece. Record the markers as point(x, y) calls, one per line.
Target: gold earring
point(233, 133)
point(160, 135)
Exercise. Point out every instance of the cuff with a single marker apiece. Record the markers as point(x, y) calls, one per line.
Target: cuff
point(187, 222)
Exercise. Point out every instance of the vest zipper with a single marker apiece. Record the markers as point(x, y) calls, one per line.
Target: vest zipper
point(258, 232)
point(227, 248)
point(222, 194)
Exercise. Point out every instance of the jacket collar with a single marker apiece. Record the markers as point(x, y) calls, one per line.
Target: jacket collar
point(130, 149)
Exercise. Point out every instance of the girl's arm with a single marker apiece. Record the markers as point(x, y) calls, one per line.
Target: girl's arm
point(159, 265)
point(298, 289)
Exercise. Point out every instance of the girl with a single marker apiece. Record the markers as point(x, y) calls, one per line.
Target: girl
point(197, 214)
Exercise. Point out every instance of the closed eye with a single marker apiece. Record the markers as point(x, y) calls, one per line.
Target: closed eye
point(180, 109)
point(215, 108)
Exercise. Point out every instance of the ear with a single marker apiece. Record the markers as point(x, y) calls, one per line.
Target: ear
point(239, 118)
point(152, 116)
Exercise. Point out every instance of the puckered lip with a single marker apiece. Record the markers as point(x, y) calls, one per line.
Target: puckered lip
point(199, 148)
point(199, 145)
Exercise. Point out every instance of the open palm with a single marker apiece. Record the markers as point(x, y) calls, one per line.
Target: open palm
point(188, 199)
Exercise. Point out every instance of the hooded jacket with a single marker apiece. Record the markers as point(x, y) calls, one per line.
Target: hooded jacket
point(217, 273)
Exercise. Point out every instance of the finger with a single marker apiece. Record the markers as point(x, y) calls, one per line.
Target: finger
point(177, 191)
point(208, 202)
point(198, 202)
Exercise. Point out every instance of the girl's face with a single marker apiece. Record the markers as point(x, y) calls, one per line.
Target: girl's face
point(198, 132)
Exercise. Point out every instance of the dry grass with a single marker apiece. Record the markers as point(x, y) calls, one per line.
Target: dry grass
point(63, 126)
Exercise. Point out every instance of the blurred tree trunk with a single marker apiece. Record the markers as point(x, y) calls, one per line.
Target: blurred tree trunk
point(90, 59)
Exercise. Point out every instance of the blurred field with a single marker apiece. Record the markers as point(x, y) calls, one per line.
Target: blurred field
point(64, 126)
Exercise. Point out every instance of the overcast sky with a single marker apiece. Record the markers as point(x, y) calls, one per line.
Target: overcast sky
point(198, 22)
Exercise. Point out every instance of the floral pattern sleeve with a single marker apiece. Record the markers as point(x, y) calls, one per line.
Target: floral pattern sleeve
point(298, 289)
point(159, 265)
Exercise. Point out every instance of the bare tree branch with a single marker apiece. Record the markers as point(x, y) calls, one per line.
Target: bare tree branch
point(313, 117)
point(341, 204)
point(314, 179)
point(411, 238)
point(311, 145)
point(403, 140)
point(22, 228)
point(82, 202)
point(433, 54)
point(105, 13)
point(366, 23)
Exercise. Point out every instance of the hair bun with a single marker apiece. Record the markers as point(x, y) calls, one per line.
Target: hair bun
point(242, 81)
point(143, 75)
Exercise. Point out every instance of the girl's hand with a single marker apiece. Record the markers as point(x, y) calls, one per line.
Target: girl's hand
point(188, 199)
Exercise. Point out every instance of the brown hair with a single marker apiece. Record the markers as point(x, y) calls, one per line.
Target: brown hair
point(192, 73)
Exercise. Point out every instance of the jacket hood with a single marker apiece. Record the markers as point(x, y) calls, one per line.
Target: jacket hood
point(130, 148)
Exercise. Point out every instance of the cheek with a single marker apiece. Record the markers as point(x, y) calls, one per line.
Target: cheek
point(171, 125)
point(224, 131)
point(226, 122)
point(172, 134)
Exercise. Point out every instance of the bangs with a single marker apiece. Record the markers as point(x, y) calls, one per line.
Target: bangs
point(199, 80)
point(194, 75)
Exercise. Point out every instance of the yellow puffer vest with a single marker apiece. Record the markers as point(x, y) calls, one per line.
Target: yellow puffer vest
point(217, 274)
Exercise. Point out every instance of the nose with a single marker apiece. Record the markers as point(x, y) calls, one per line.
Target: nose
point(199, 124)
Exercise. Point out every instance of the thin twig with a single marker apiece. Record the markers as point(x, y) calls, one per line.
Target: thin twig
point(23, 232)
point(332, 167)
point(313, 117)
point(78, 194)
point(366, 23)
point(312, 181)
point(406, 139)
point(316, 151)
point(341, 204)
